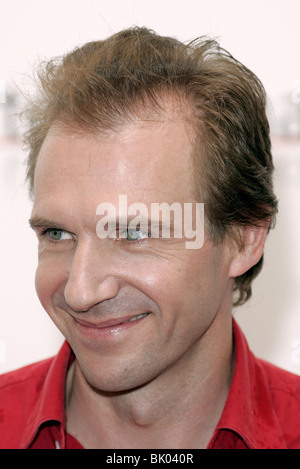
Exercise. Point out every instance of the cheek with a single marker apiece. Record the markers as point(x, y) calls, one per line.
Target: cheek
point(194, 286)
point(172, 284)
point(49, 279)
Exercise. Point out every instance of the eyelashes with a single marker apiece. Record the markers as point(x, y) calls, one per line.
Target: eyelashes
point(56, 235)
point(132, 235)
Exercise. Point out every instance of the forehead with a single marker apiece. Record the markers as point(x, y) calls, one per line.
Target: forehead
point(151, 159)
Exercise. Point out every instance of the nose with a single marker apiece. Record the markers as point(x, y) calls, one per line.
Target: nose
point(90, 279)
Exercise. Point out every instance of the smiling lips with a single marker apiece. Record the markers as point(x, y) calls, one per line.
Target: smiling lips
point(112, 322)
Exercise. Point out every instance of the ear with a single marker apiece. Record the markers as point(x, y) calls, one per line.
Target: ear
point(254, 238)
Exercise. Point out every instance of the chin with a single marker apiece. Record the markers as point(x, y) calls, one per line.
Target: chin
point(114, 378)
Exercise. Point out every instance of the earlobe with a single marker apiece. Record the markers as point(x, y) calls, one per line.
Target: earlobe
point(254, 238)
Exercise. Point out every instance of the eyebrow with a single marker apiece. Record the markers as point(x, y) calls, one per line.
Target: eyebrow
point(37, 222)
point(154, 222)
point(41, 222)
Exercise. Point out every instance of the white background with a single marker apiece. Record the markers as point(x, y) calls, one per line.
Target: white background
point(263, 34)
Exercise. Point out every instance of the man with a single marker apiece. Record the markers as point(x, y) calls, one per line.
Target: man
point(152, 358)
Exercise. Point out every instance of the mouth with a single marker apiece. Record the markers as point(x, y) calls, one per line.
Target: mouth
point(111, 323)
point(140, 316)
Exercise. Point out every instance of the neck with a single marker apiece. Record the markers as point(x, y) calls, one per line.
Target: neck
point(157, 414)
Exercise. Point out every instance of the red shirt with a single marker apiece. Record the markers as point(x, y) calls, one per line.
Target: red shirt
point(262, 410)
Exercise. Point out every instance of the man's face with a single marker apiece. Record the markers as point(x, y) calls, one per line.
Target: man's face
point(92, 287)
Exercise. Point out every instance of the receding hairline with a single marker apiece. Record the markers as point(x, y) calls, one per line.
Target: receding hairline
point(170, 107)
point(164, 106)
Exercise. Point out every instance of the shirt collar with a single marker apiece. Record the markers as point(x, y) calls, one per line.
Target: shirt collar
point(249, 411)
point(50, 404)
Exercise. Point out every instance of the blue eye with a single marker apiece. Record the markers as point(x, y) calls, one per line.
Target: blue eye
point(57, 235)
point(136, 235)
